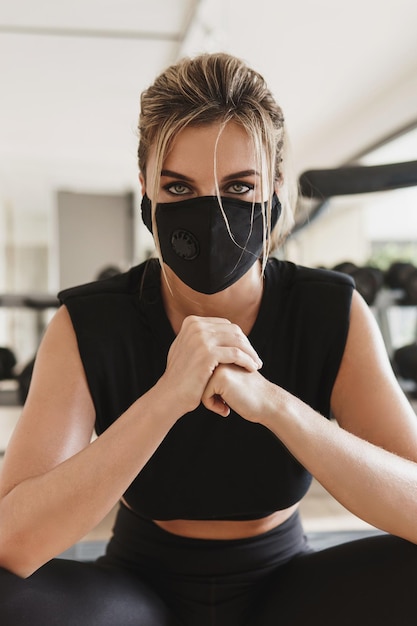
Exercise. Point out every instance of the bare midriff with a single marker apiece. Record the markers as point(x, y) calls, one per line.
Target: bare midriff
point(224, 529)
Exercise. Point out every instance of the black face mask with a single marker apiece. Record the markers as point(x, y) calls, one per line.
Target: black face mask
point(197, 245)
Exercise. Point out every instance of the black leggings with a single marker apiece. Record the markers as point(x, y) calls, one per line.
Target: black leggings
point(152, 578)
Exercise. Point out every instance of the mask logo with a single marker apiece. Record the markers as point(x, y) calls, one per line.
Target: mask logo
point(185, 245)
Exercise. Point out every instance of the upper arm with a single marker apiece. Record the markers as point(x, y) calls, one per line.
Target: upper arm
point(57, 420)
point(367, 399)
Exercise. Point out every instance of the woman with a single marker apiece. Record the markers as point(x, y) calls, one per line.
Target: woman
point(209, 376)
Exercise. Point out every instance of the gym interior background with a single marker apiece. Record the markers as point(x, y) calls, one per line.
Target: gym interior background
point(71, 74)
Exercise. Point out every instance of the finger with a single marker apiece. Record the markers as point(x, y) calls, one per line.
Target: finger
point(216, 404)
point(232, 337)
point(236, 356)
point(210, 342)
point(191, 320)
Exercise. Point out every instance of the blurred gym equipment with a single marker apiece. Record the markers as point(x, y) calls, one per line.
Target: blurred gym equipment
point(353, 179)
point(368, 279)
point(318, 186)
point(10, 369)
point(7, 363)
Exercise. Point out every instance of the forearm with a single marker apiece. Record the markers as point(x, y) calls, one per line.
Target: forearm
point(42, 512)
point(376, 485)
point(46, 514)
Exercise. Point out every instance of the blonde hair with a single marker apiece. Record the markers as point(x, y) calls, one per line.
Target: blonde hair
point(219, 88)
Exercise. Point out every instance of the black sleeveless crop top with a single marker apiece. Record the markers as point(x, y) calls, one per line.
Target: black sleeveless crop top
point(208, 467)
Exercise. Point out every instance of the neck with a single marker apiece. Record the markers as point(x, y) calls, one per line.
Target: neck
point(239, 303)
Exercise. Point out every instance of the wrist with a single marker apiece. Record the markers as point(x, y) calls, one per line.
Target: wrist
point(165, 403)
point(279, 409)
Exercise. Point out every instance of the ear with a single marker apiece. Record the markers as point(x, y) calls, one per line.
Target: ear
point(142, 183)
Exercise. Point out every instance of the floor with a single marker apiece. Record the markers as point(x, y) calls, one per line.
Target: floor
point(319, 511)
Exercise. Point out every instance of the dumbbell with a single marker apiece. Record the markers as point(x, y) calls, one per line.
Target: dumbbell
point(405, 362)
point(7, 363)
point(24, 379)
point(108, 272)
point(403, 275)
point(411, 289)
point(368, 279)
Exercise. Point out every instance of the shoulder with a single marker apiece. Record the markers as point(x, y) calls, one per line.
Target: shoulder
point(298, 277)
point(309, 300)
point(114, 305)
point(127, 283)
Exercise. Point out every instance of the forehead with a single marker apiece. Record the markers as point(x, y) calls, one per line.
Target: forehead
point(197, 148)
point(229, 136)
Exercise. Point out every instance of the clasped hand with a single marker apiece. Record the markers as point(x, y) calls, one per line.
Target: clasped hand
point(212, 361)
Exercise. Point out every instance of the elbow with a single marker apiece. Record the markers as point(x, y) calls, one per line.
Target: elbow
point(17, 571)
point(19, 567)
point(22, 552)
point(17, 559)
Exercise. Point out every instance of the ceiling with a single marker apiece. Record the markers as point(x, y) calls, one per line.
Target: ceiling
point(72, 72)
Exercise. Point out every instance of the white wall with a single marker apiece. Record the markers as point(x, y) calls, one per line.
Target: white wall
point(338, 235)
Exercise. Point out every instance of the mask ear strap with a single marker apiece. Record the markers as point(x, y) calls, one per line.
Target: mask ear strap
point(276, 210)
point(146, 210)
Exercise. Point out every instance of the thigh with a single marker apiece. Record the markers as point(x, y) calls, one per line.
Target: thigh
point(368, 582)
point(70, 593)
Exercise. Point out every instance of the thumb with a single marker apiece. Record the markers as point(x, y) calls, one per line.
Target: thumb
point(215, 403)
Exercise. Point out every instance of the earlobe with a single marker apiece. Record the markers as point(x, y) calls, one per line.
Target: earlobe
point(142, 183)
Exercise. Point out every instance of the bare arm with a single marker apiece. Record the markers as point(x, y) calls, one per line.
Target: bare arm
point(369, 463)
point(56, 485)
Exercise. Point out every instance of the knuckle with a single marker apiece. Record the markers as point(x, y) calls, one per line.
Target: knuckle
point(240, 340)
point(236, 353)
point(189, 321)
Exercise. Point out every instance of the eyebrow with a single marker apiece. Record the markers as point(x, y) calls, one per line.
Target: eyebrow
point(172, 174)
point(234, 176)
point(242, 174)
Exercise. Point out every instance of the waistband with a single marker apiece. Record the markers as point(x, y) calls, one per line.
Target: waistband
point(140, 543)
